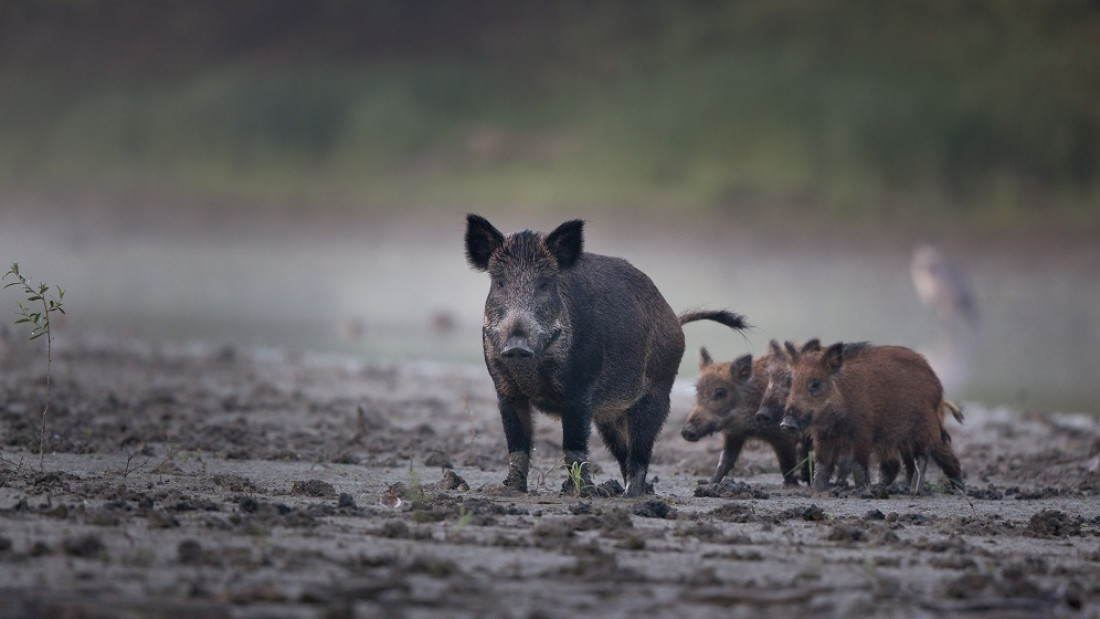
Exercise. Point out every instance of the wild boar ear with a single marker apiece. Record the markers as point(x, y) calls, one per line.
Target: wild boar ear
point(792, 352)
point(813, 345)
point(482, 239)
point(742, 369)
point(704, 358)
point(834, 357)
point(566, 242)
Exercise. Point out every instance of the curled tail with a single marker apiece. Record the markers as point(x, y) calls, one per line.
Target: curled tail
point(956, 412)
point(730, 319)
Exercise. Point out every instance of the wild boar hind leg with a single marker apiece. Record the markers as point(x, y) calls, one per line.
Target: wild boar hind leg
point(643, 421)
point(515, 414)
point(614, 438)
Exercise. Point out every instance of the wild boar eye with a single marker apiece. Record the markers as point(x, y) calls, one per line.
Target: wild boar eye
point(498, 282)
point(720, 393)
point(543, 285)
point(814, 385)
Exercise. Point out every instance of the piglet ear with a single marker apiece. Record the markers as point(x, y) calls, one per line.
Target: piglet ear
point(813, 345)
point(834, 357)
point(776, 349)
point(704, 358)
point(566, 242)
point(742, 368)
point(792, 352)
point(482, 239)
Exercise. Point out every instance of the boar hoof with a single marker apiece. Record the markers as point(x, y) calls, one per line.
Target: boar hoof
point(517, 484)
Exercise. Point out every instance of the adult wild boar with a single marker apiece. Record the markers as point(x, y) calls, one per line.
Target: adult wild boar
point(580, 336)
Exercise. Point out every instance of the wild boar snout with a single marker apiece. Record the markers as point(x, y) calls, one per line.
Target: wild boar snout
point(790, 420)
point(517, 348)
point(764, 415)
point(519, 336)
point(690, 433)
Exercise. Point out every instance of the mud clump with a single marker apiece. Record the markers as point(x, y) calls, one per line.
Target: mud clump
point(1054, 523)
point(729, 489)
point(1038, 494)
point(255, 515)
point(190, 552)
point(813, 513)
point(84, 546)
point(846, 533)
point(234, 483)
point(450, 481)
point(614, 523)
point(607, 489)
point(598, 566)
point(314, 488)
point(734, 512)
point(483, 507)
point(654, 508)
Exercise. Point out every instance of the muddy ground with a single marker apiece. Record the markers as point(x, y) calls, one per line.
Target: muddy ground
point(219, 482)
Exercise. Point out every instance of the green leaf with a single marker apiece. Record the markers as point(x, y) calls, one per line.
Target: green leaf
point(60, 309)
point(34, 298)
point(35, 336)
point(22, 320)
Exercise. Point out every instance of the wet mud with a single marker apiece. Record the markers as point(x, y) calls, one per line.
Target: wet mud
point(218, 482)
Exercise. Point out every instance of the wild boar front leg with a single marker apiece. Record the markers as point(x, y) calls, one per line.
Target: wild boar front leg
point(515, 414)
point(731, 450)
point(825, 457)
point(576, 426)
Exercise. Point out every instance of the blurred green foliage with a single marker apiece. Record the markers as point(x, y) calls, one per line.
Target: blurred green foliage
point(984, 112)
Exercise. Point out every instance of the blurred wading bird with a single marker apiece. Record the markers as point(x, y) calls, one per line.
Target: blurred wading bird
point(943, 287)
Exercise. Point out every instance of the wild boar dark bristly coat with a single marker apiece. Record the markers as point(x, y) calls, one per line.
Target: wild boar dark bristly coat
point(584, 337)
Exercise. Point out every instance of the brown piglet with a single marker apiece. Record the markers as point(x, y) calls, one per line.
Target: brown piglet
point(885, 401)
point(727, 397)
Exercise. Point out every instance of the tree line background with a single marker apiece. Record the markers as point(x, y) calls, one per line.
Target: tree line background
point(974, 115)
